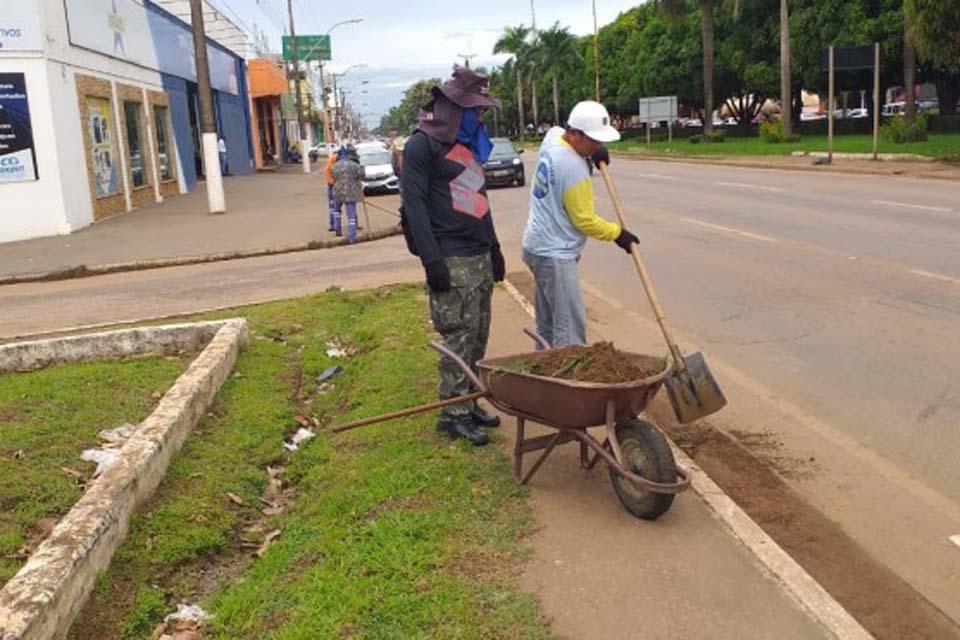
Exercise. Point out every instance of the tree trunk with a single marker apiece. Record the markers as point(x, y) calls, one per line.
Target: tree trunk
point(948, 92)
point(533, 100)
point(556, 102)
point(786, 120)
point(706, 29)
point(909, 76)
point(520, 103)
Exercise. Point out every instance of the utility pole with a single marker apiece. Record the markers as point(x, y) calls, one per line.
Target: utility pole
point(596, 53)
point(211, 153)
point(304, 144)
point(786, 88)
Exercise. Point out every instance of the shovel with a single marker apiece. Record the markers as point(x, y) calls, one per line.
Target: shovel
point(693, 391)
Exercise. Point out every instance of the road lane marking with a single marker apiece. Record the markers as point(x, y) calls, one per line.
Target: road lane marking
point(744, 185)
point(657, 176)
point(955, 539)
point(934, 276)
point(922, 207)
point(717, 227)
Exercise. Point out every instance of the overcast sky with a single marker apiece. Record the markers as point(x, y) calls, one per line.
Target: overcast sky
point(401, 42)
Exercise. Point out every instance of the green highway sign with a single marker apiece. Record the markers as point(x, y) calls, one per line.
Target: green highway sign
point(308, 48)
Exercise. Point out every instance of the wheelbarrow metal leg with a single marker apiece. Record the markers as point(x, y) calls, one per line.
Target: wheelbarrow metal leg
point(543, 457)
point(518, 449)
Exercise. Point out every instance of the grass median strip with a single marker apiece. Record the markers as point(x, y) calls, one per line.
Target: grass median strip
point(47, 418)
point(939, 145)
point(385, 532)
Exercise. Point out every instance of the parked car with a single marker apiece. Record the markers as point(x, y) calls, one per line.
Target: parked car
point(321, 150)
point(504, 167)
point(691, 123)
point(377, 163)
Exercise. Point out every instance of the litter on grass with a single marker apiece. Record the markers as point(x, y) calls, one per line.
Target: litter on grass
point(102, 457)
point(188, 612)
point(120, 434)
point(302, 435)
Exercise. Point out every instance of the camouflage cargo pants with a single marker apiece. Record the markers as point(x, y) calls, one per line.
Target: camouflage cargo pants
point(462, 317)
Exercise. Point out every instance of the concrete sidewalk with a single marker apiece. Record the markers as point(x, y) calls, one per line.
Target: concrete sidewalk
point(601, 573)
point(267, 212)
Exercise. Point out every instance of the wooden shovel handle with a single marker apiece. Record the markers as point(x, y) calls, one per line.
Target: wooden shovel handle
point(642, 270)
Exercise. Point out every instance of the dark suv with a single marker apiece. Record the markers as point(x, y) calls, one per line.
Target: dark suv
point(504, 167)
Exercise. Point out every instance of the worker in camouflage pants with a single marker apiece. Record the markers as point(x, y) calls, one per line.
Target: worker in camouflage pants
point(462, 316)
point(447, 222)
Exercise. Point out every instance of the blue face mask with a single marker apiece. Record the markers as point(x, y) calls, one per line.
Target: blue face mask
point(474, 134)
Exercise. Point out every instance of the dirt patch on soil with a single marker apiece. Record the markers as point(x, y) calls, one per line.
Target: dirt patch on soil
point(600, 362)
point(880, 600)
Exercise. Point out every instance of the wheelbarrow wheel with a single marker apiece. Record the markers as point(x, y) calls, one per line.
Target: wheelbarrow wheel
point(645, 453)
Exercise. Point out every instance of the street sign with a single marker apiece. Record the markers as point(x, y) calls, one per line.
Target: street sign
point(658, 109)
point(308, 48)
point(849, 58)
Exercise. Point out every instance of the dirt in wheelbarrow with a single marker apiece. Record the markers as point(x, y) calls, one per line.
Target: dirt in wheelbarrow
point(599, 362)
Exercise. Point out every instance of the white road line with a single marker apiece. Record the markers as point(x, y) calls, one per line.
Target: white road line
point(955, 539)
point(743, 185)
point(717, 227)
point(934, 276)
point(907, 205)
point(657, 176)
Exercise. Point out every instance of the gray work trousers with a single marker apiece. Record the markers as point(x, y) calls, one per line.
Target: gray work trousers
point(561, 317)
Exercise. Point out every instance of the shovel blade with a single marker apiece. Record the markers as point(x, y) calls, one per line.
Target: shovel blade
point(694, 393)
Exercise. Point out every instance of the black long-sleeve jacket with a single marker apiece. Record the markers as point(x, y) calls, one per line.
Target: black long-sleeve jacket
point(445, 200)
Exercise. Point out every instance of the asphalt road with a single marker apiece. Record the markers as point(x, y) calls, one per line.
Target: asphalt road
point(836, 296)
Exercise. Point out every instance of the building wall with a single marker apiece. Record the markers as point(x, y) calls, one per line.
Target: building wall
point(58, 79)
point(36, 208)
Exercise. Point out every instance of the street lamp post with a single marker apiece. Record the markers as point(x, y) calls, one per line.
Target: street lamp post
point(337, 101)
point(323, 94)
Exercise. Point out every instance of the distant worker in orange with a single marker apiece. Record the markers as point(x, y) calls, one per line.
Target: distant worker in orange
point(328, 175)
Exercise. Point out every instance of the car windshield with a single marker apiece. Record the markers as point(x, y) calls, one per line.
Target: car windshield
point(374, 157)
point(503, 148)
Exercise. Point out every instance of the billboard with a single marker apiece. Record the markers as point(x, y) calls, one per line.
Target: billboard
point(147, 37)
point(19, 26)
point(17, 156)
point(658, 109)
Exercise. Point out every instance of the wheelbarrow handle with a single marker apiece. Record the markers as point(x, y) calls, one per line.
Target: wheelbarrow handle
point(408, 412)
point(539, 339)
point(463, 366)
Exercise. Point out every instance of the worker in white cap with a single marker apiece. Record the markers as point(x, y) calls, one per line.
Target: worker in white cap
point(562, 216)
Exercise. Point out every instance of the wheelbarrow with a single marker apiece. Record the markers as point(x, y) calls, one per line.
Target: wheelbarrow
point(642, 469)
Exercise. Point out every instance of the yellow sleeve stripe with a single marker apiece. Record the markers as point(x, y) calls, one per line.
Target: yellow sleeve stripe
point(578, 201)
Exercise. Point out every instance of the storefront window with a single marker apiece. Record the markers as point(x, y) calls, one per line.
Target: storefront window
point(131, 112)
point(102, 148)
point(163, 144)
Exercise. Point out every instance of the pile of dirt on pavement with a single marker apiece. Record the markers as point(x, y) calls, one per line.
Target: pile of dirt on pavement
point(600, 362)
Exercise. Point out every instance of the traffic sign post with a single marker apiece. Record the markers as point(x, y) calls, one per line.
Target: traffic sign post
point(307, 48)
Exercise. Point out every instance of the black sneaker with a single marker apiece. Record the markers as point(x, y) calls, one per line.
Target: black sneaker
point(464, 427)
point(483, 419)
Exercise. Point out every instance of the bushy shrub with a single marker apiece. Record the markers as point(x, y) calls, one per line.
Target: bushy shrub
point(716, 136)
point(900, 130)
point(772, 132)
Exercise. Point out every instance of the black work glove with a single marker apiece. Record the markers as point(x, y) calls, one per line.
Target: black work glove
point(625, 239)
point(438, 276)
point(601, 155)
point(499, 266)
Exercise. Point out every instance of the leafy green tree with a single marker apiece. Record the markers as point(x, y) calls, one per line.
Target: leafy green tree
point(935, 29)
point(559, 55)
point(514, 41)
point(403, 117)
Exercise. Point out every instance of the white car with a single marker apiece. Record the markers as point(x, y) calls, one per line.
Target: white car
point(377, 163)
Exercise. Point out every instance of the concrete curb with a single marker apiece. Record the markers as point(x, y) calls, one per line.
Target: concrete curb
point(41, 601)
point(751, 165)
point(772, 559)
point(86, 271)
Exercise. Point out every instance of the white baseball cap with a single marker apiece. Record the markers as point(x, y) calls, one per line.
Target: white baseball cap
point(593, 120)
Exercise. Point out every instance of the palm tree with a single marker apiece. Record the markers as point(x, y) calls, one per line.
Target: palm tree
point(786, 92)
point(558, 54)
point(514, 41)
